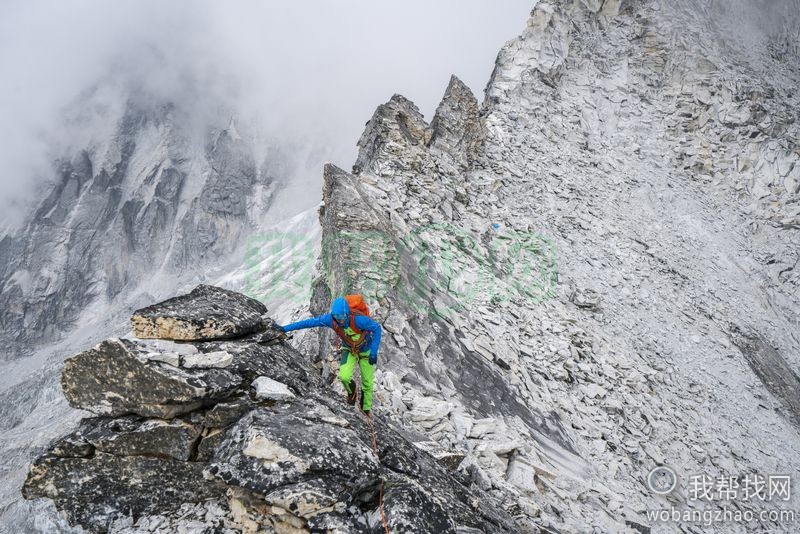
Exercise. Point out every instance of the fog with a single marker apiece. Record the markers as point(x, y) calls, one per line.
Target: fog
point(309, 74)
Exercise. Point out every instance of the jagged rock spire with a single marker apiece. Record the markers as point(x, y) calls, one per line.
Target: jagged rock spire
point(456, 125)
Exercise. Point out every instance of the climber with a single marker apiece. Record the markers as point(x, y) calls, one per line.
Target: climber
point(361, 337)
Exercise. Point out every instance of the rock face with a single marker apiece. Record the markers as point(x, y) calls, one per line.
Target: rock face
point(94, 491)
point(262, 444)
point(208, 312)
point(117, 377)
point(155, 199)
point(593, 272)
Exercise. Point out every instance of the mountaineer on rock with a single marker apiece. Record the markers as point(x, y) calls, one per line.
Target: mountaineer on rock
point(361, 336)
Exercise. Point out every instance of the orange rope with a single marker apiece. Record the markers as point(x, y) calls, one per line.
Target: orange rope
point(383, 516)
point(374, 438)
point(375, 450)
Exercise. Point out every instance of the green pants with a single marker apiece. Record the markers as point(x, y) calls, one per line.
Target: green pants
point(346, 367)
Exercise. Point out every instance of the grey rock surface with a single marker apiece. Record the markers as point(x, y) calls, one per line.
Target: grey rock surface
point(219, 359)
point(208, 312)
point(208, 450)
point(117, 377)
point(593, 272)
point(267, 388)
point(132, 436)
point(93, 491)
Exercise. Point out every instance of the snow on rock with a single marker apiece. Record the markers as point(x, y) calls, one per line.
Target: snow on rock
point(152, 203)
point(267, 388)
point(216, 359)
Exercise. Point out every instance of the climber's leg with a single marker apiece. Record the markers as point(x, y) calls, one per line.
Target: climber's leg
point(367, 381)
point(347, 365)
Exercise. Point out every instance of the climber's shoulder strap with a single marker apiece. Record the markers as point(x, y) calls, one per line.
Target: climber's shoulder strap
point(353, 326)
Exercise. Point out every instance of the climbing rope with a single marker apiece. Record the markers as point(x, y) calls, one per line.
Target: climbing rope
point(374, 437)
point(375, 450)
point(383, 516)
point(380, 496)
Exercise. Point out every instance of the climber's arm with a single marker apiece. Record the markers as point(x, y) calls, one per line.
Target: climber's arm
point(365, 323)
point(314, 322)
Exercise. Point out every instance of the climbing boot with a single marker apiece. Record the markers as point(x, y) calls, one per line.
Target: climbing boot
point(351, 397)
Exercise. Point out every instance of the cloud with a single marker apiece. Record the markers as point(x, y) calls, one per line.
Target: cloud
point(309, 74)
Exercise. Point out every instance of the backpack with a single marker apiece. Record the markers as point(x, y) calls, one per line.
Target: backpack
point(357, 307)
point(357, 304)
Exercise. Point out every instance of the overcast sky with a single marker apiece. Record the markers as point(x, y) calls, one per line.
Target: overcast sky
point(311, 70)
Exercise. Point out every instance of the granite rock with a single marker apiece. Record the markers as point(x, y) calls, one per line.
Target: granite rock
point(207, 312)
point(117, 377)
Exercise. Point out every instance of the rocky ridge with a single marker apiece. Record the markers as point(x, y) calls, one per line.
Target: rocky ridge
point(593, 272)
point(589, 274)
point(255, 442)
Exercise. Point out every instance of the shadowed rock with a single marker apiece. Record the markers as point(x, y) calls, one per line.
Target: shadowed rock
point(772, 369)
point(208, 312)
point(131, 436)
point(117, 377)
point(92, 491)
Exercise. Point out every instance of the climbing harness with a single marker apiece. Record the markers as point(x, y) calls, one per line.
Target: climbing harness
point(357, 306)
point(358, 338)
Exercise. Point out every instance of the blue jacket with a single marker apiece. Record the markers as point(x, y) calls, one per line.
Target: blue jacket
point(371, 329)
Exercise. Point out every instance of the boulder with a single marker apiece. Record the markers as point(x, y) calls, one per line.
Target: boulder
point(133, 436)
point(92, 491)
point(117, 377)
point(448, 458)
point(274, 447)
point(207, 312)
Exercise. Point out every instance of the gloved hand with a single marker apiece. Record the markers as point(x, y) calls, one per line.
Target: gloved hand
point(373, 358)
